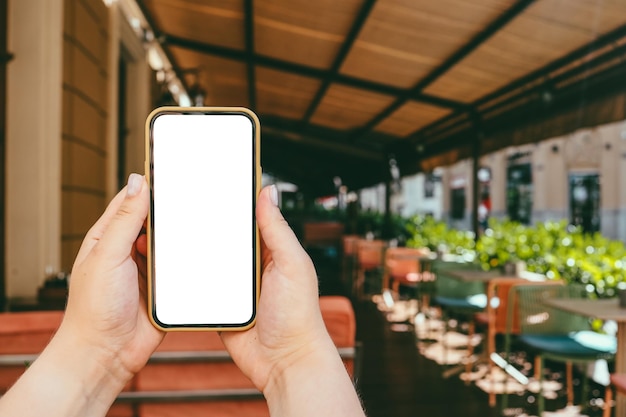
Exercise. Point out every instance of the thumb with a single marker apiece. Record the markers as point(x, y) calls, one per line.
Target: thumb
point(125, 225)
point(279, 239)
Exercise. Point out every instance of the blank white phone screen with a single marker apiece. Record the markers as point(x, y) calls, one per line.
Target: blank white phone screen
point(203, 208)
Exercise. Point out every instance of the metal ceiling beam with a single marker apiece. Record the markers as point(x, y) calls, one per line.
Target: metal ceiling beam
point(454, 59)
point(303, 70)
point(324, 138)
point(617, 53)
point(597, 87)
point(249, 33)
point(606, 83)
point(565, 60)
point(541, 73)
point(322, 144)
point(346, 47)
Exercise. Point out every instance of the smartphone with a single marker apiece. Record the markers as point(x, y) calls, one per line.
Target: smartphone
point(203, 166)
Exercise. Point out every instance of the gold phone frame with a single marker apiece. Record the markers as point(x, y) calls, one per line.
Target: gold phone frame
point(257, 188)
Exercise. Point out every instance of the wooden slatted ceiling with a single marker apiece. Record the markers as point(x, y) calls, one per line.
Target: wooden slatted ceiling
point(404, 40)
point(224, 80)
point(347, 108)
point(283, 94)
point(405, 69)
point(586, 15)
point(409, 118)
point(303, 31)
point(215, 22)
point(546, 31)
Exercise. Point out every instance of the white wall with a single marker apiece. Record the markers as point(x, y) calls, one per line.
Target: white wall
point(413, 200)
point(409, 201)
point(373, 198)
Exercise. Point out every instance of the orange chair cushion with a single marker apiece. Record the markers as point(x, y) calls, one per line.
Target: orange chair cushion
point(27, 332)
point(24, 333)
point(339, 318)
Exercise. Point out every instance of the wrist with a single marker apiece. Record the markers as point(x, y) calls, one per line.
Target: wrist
point(302, 364)
point(78, 381)
point(319, 370)
point(98, 369)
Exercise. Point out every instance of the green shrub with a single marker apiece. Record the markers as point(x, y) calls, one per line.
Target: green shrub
point(425, 231)
point(556, 249)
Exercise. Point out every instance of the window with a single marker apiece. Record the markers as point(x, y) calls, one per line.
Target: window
point(457, 204)
point(519, 193)
point(584, 197)
point(429, 185)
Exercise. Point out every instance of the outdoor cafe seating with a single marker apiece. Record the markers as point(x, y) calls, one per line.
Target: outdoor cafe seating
point(554, 334)
point(369, 259)
point(404, 267)
point(178, 377)
point(506, 306)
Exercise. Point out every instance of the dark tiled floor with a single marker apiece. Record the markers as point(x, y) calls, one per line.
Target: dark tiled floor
point(396, 381)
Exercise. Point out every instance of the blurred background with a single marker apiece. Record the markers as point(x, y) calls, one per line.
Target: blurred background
point(486, 130)
point(370, 111)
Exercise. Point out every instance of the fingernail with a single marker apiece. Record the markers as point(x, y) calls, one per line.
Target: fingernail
point(274, 194)
point(135, 181)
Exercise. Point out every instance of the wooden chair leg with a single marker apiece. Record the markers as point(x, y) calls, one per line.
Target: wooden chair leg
point(538, 363)
point(395, 288)
point(491, 348)
point(570, 383)
point(470, 346)
point(425, 303)
point(444, 336)
point(608, 400)
point(494, 384)
point(540, 399)
point(358, 284)
point(492, 399)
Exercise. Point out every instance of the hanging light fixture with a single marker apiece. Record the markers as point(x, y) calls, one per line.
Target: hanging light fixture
point(197, 95)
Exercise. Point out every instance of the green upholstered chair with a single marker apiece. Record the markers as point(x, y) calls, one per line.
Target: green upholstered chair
point(554, 334)
point(458, 299)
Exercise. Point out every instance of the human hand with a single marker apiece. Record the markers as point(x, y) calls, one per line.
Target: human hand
point(288, 354)
point(106, 309)
point(106, 336)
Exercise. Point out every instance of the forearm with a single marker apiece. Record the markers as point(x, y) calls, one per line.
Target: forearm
point(66, 380)
point(319, 385)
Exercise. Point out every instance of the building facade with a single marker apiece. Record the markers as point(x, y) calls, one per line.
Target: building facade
point(580, 177)
point(78, 92)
